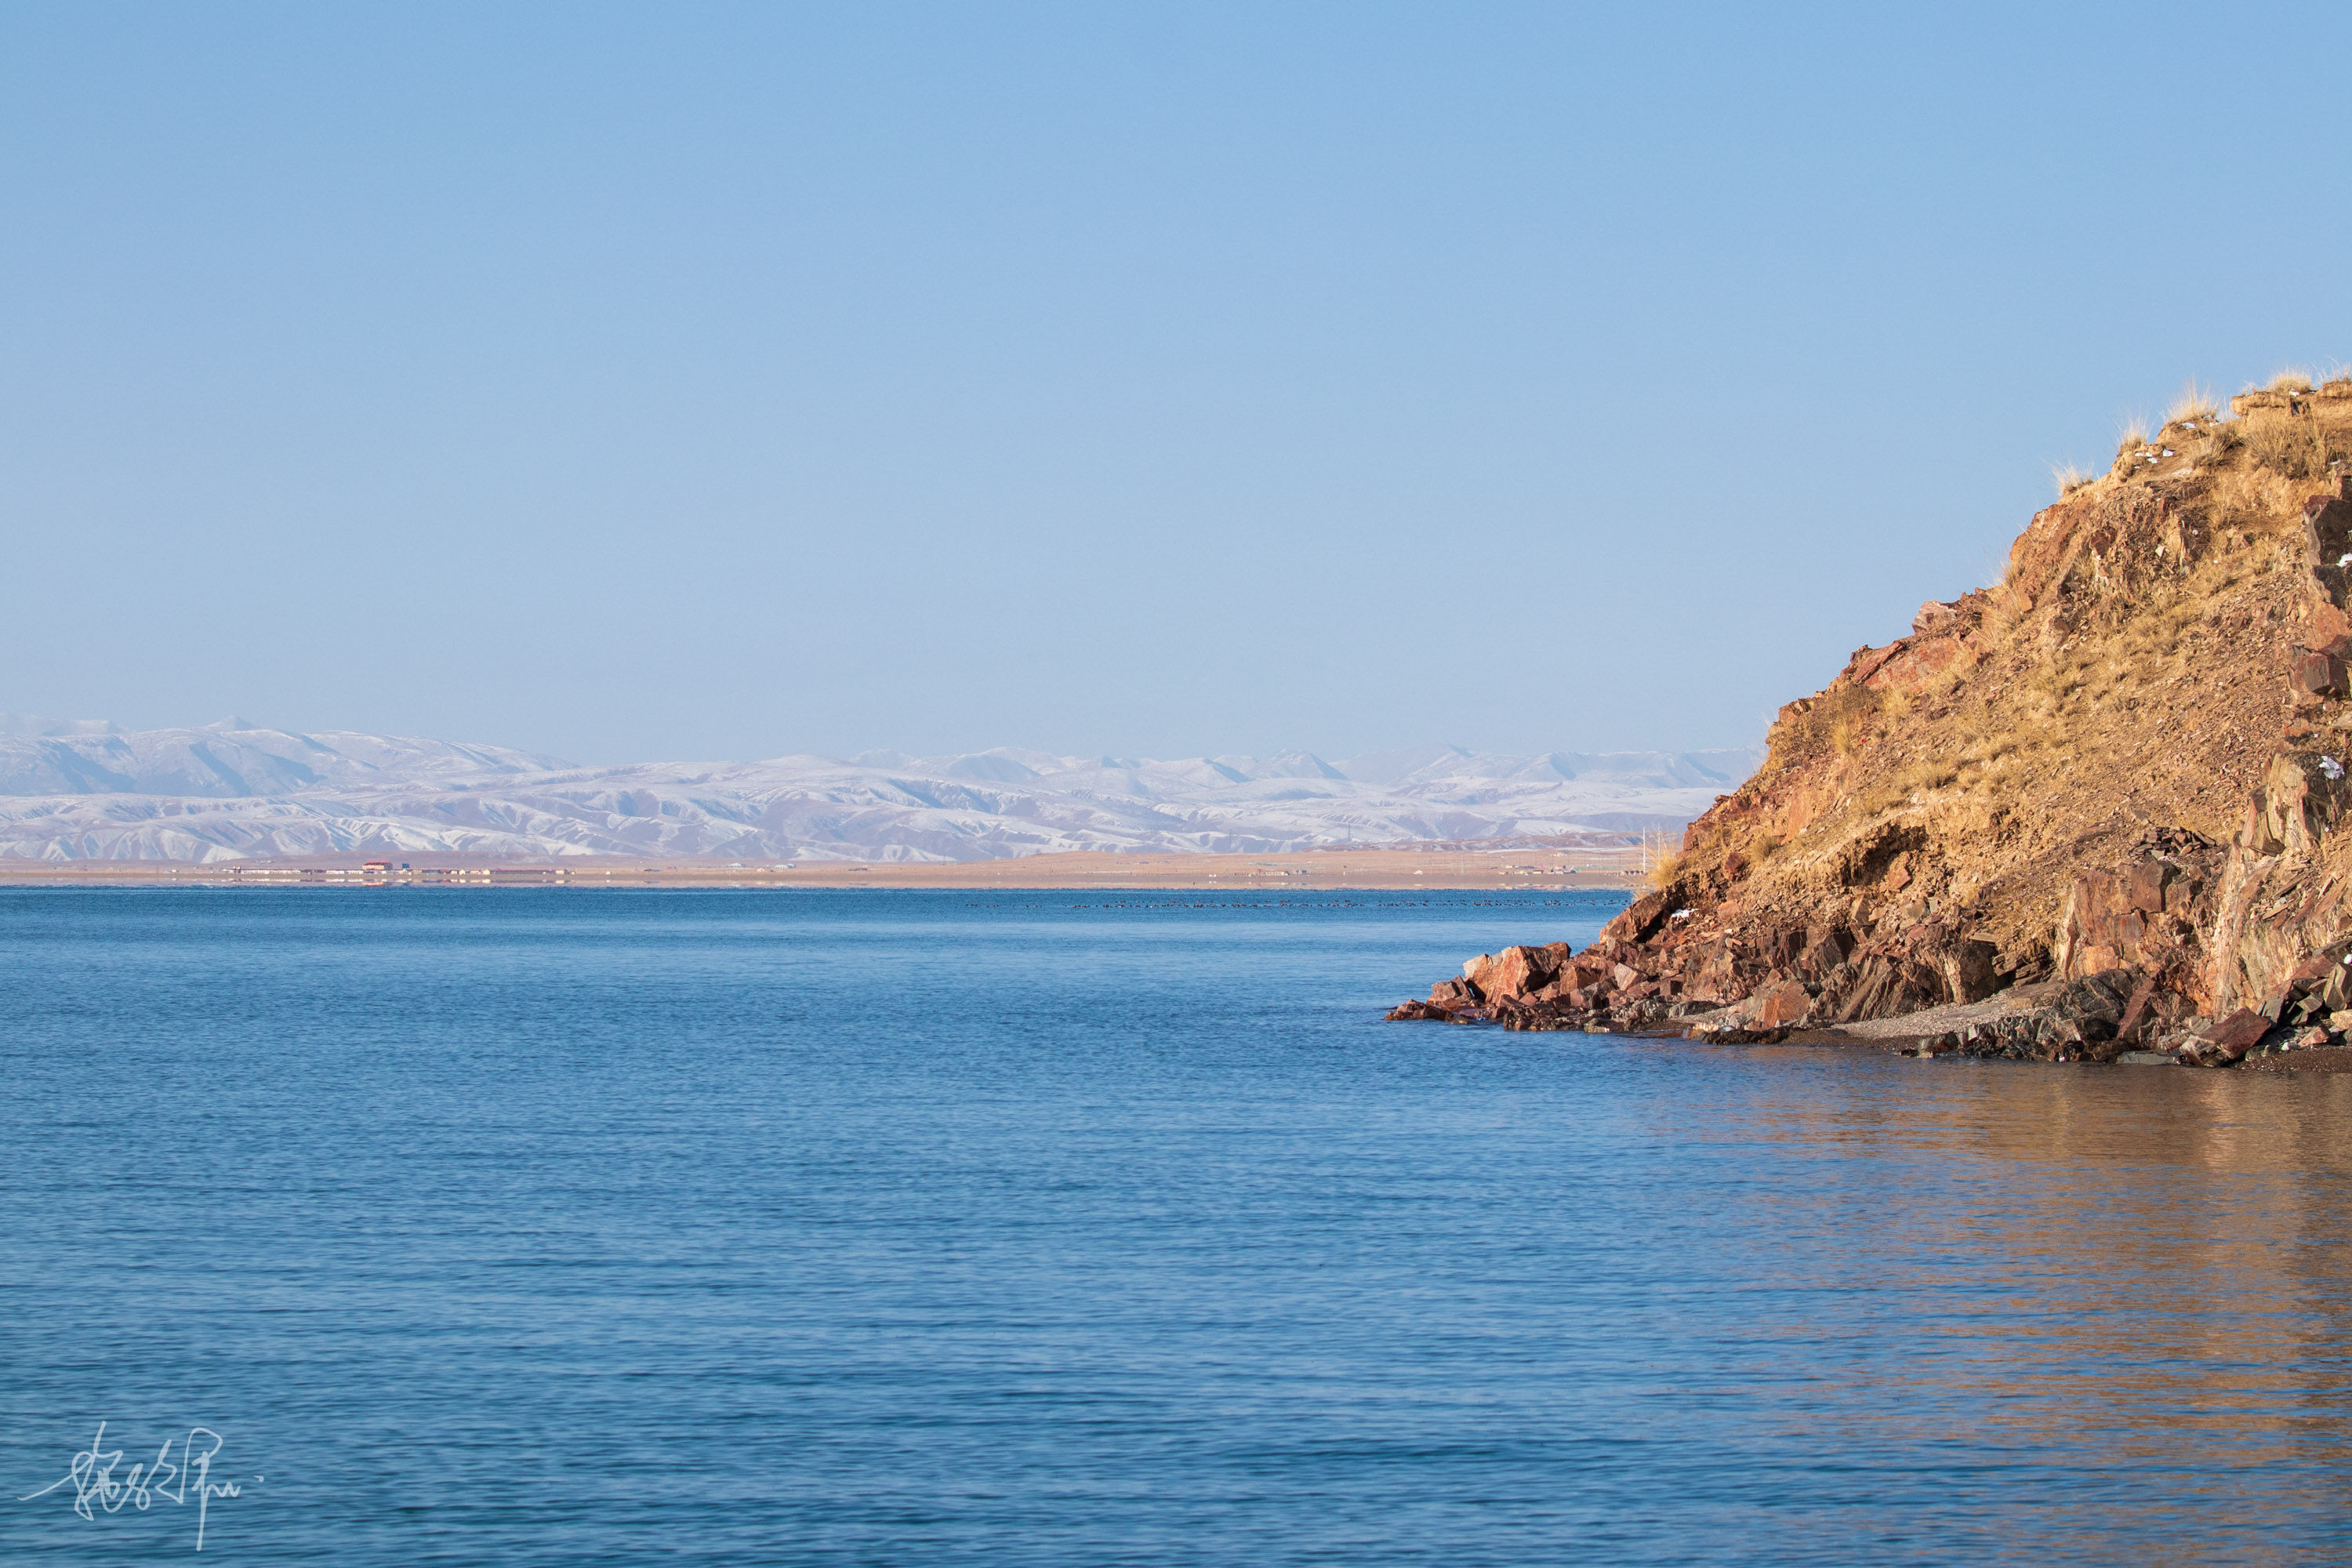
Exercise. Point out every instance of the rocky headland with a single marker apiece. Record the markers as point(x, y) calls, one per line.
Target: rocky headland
point(2088, 813)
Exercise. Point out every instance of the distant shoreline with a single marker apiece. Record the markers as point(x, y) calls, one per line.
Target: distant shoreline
point(1444, 867)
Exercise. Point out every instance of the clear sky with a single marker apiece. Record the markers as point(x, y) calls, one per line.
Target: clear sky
point(634, 382)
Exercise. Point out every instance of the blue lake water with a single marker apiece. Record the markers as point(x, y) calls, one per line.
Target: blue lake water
point(526, 1227)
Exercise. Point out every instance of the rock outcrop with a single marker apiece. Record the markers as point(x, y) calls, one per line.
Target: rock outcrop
point(2118, 773)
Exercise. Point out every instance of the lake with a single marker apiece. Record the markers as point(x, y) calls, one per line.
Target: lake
point(522, 1226)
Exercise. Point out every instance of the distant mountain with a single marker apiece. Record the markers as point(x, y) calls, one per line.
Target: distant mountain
point(86, 790)
point(227, 760)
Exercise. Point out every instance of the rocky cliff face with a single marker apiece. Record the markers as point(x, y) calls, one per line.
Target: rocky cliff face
point(2124, 763)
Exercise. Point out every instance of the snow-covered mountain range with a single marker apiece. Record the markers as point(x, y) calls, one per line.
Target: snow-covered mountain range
point(78, 789)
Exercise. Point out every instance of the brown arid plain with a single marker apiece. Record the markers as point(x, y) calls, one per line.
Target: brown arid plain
point(1577, 861)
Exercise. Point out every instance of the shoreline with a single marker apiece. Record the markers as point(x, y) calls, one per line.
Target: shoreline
point(1528, 865)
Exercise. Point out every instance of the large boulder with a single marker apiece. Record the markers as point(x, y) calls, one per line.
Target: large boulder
point(1887, 985)
point(2227, 1039)
point(1516, 973)
point(1456, 995)
point(1640, 919)
point(1782, 1007)
point(2302, 795)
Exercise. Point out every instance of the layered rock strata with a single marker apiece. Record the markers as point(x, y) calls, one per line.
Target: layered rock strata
point(2109, 784)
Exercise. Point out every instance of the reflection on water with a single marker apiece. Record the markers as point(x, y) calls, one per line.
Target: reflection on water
point(784, 1227)
point(2133, 1281)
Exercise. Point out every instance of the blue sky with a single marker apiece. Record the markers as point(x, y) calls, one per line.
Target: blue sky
point(635, 382)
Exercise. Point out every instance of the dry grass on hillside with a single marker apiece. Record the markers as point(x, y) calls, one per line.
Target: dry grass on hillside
point(2070, 479)
point(2142, 686)
point(2194, 402)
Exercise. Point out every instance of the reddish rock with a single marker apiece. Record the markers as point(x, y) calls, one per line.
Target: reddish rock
point(2131, 919)
point(2331, 990)
point(1640, 919)
point(2314, 678)
point(2302, 795)
point(1586, 970)
point(1934, 616)
point(1782, 1006)
point(2232, 1036)
point(1824, 951)
point(1964, 964)
point(2136, 1007)
point(1516, 971)
point(1887, 986)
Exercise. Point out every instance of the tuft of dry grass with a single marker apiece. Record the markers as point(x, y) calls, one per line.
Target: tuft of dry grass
point(2069, 479)
point(1838, 718)
point(1664, 869)
point(2291, 381)
point(2128, 446)
point(2252, 493)
point(1923, 777)
point(2195, 402)
point(2294, 448)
